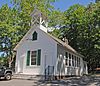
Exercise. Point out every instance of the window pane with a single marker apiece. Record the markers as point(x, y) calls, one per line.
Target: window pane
point(33, 63)
point(69, 56)
point(66, 62)
point(34, 36)
point(72, 60)
point(75, 61)
point(33, 57)
point(66, 55)
point(79, 61)
point(69, 62)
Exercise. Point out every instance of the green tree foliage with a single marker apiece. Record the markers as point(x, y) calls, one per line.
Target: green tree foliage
point(82, 28)
point(26, 7)
point(56, 18)
point(15, 21)
point(71, 29)
point(93, 34)
point(3, 61)
point(97, 1)
point(7, 28)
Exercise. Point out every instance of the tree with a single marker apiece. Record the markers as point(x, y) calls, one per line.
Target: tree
point(73, 21)
point(9, 34)
point(97, 1)
point(82, 28)
point(16, 21)
point(3, 60)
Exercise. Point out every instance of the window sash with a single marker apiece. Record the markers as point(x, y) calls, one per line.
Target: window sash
point(69, 56)
point(70, 62)
point(66, 61)
point(66, 58)
point(33, 58)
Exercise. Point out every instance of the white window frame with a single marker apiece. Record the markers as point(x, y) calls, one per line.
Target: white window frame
point(70, 60)
point(66, 58)
point(31, 57)
point(73, 60)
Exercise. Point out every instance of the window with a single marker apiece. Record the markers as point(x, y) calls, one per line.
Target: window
point(72, 60)
point(75, 61)
point(34, 36)
point(69, 59)
point(78, 61)
point(33, 57)
point(66, 59)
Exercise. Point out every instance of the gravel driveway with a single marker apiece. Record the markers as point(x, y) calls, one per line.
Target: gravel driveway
point(73, 81)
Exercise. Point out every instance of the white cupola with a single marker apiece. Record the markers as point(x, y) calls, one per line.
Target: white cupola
point(39, 19)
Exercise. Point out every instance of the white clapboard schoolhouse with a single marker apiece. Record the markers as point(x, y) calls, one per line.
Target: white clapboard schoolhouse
point(39, 53)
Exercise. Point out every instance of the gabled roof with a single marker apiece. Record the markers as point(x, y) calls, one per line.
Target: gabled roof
point(65, 45)
point(58, 41)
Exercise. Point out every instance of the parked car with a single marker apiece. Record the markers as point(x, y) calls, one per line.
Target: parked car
point(6, 73)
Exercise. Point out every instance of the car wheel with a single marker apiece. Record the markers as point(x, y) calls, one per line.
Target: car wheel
point(8, 76)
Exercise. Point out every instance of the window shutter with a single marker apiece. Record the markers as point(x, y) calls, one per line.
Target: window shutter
point(39, 57)
point(28, 58)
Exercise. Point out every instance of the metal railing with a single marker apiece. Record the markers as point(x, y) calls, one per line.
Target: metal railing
point(49, 73)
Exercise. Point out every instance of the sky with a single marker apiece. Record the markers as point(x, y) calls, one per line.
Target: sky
point(61, 4)
point(65, 4)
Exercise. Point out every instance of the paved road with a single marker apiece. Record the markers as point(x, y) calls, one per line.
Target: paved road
point(83, 81)
point(16, 82)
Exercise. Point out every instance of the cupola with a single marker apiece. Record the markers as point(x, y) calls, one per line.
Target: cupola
point(39, 19)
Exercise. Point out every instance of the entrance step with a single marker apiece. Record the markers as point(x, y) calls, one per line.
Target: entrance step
point(27, 77)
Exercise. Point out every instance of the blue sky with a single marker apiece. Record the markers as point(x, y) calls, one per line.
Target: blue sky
point(65, 4)
point(61, 4)
point(5, 2)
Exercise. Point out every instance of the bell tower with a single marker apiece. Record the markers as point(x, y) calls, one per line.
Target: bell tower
point(39, 19)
